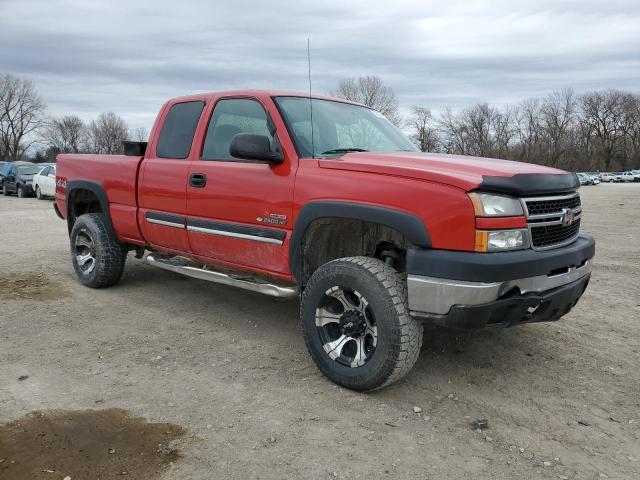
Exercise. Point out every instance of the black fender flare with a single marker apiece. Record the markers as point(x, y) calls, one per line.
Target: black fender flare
point(97, 190)
point(406, 223)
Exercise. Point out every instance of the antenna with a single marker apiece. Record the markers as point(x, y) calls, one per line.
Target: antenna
point(313, 150)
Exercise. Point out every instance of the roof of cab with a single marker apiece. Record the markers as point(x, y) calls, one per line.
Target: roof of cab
point(259, 93)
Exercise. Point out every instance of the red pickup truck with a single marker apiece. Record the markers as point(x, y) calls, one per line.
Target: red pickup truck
point(324, 199)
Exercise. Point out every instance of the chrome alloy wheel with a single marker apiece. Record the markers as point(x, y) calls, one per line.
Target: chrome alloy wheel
point(347, 327)
point(85, 251)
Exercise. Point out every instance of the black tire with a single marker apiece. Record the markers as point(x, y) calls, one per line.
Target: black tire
point(91, 235)
point(399, 336)
point(5, 190)
point(39, 193)
point(20, 192)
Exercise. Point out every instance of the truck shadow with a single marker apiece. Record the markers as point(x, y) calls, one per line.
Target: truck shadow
point(446, 353)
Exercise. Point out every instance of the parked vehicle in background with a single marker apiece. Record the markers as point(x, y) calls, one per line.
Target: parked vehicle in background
point(585, 179)
point(18, 178)
point(4, 168)
point(371, 234)
point(627, 177)
point(44, 182)
point(636, 175)
point(610, 177)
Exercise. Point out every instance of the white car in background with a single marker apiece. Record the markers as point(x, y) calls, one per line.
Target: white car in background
point(44, 182)
point(610, 177)
point(628, 177)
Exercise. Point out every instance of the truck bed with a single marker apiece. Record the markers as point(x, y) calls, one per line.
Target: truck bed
point(116, 174)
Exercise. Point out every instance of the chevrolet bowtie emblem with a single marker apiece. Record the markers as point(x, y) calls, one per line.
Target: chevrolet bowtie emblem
point(567, 217)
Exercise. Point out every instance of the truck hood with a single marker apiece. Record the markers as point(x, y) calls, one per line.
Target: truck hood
point(465, 172)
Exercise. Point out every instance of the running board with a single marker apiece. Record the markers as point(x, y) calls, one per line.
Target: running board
point(246, 283)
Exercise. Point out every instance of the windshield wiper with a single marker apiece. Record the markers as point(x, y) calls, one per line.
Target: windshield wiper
point(344, 150)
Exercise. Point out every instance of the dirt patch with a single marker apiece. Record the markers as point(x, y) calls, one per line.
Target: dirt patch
point(86, 444)
point(29, 286)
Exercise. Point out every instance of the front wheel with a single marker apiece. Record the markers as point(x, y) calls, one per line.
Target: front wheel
point(97, 255)
point(357, 325)
point(38, 193)
point(20, 192)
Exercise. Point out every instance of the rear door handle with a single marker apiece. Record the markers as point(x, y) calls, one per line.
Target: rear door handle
point(198, 180)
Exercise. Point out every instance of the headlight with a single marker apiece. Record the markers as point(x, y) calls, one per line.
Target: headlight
point(500, 240)
point(488, 205)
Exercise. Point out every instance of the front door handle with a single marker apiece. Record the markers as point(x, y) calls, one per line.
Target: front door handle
point(198, 180)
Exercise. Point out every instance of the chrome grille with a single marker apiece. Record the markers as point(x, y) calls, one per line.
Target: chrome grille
point(542, 207)
point(553, 221)
point(551, 235)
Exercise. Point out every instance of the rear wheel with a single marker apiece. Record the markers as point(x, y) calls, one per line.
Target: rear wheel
point(97, 256)
point(5, 190)
point(20, 191)
point(356, 323)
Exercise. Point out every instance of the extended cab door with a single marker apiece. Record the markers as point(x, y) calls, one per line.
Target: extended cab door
point(238, 210)
point(163, 177)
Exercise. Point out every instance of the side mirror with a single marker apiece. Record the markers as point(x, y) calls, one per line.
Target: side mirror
point(253, 147)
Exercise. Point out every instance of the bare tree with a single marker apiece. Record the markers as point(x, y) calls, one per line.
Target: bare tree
point(65, 134)
point(557, 119)
point(372, 92)
point(604, 113)
point(480, 130)
point(504, 132)
point(106, 133)
point(528, 129)
point(631, 130)
point(454, 133)
point(478, 121)
point(140, 134)
point(21, 110)
point(424, 132)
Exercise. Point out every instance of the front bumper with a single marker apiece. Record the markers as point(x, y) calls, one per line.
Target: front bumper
point(473, 290)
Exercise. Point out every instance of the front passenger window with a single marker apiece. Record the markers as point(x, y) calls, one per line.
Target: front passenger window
point(230, 117)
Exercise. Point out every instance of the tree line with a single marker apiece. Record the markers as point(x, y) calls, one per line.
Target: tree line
point(597, 130)
point(24, 125)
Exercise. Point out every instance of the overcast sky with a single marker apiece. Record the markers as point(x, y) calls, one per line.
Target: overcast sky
point(130, 56)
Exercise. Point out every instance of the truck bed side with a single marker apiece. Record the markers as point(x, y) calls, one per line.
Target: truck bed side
point(111, 180)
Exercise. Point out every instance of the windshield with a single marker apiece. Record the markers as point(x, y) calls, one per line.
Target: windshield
point(29, 169)
point(339, 128)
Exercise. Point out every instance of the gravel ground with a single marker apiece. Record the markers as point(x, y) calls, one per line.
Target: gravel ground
point(230, 368)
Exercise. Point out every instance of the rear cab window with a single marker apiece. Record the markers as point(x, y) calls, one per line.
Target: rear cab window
point(178, 129)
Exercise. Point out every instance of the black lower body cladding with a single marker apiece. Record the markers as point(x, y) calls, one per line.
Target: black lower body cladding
point(506, 312)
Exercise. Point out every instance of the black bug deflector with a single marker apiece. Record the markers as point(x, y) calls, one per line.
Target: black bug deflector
point(530, 184)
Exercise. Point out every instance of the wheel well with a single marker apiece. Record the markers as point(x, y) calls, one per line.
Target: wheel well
point(81, 201)
point(326, 239)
